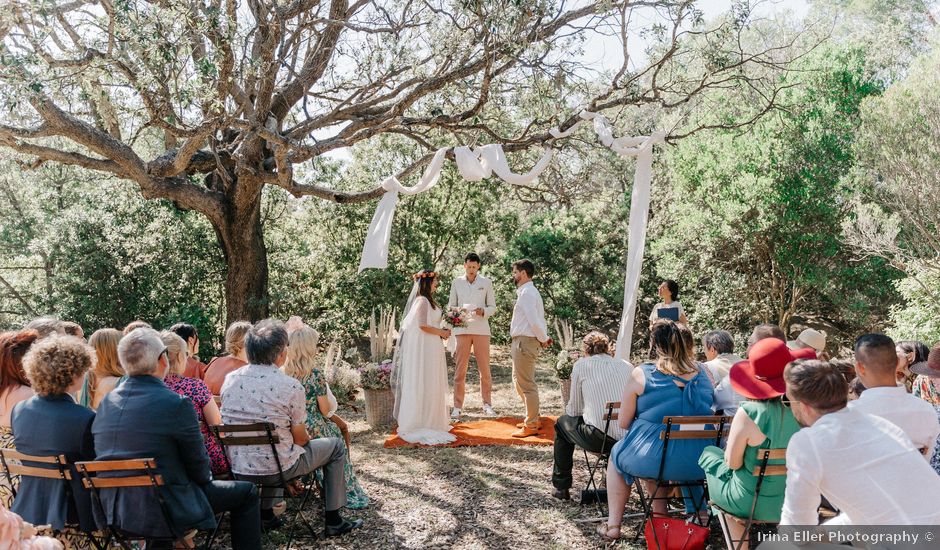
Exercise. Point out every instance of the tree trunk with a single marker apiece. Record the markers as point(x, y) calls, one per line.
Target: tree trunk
point(246, 260)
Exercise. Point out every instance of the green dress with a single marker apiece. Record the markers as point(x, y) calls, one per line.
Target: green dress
point(733, 490)
point(315, 386)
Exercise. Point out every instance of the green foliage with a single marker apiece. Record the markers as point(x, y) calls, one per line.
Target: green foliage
point(753, 225)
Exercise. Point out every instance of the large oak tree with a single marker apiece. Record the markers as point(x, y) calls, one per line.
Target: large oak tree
point(207, 102)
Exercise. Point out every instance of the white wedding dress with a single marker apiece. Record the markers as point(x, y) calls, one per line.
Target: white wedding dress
point(422, 379)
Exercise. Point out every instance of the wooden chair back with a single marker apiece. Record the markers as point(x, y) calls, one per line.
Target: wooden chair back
point(232, 435)
point(135, 472)
point(722, 426)
point(48, 467)
point(765, 455)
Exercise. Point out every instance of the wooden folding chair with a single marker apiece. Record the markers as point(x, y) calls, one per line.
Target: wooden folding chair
point(762, 470)
point(45, 467)
point(242, 435)
point(600, 457)
point(124, 474)
point(672, 432)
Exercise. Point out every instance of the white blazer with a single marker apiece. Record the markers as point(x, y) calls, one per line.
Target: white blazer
point(477, 295)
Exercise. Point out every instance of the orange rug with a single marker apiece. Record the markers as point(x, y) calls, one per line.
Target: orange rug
point(492, 431)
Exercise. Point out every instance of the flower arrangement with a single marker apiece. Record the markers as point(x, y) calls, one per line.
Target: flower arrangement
point(565, 363)
point(454, 318)
point(376, 376)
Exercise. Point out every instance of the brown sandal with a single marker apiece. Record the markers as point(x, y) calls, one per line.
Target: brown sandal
point(603, 530)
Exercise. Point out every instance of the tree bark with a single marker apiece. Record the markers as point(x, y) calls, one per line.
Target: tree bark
point(246, 259)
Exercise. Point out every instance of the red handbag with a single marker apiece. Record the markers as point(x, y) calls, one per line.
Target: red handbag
point(674, 534)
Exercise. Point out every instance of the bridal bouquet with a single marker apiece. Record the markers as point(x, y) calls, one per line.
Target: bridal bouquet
point(455, 318)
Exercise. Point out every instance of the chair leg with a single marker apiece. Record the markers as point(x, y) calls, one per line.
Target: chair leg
point(211, 537)
point(647, 507)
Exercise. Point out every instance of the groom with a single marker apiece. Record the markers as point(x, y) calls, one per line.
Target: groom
point(529, 335)
point(475, 293)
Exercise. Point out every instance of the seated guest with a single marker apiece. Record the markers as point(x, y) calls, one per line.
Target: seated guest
point(875, 364)
point(810, 339)
point(207, 412)
point(108, 372)
point(675, 385)
point(719, 357)
point(862, 464)
point(45, 326)
point(322, 420)
point(762, 422)
point(927, 382)
point(14, 387)
point(260, 392)
point(52, 423)
point(71, 328)
point(194, 367)
point(596, 379)
point(218, 368)
point(910, 352)
point(134, 325)
point(144, 419)
point(726, 399)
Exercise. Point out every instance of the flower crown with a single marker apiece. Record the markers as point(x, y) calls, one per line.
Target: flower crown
point(424, 275)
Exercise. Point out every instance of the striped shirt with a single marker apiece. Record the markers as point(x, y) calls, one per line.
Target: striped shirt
point(596, 380)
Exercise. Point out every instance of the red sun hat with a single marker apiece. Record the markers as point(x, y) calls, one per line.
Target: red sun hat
point(761, 375)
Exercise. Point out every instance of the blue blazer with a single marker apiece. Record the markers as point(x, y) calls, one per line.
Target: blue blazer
point(46, 426)
point(144, 419)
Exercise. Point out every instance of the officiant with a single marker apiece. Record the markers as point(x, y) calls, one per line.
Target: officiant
point(474, 293)
point(669, 307)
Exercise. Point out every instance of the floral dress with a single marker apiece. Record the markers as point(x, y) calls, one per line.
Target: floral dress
point(935, 459)
point(197, 391)
point(6, 491)
point(315, 386)
point(926, 390)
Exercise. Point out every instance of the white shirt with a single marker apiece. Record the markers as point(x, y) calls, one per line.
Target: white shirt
point(866, 467)
point(477, 295)
point(595, 381)
point(528, 315)
point(720, 366)
point(916, 417)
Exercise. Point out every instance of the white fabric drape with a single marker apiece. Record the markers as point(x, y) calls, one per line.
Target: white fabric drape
point(636, 245)
point(473, 164)
point(476, 164)
point(375, 249)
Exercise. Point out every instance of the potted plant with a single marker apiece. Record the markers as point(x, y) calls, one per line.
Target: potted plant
point(375, 379)
point(566, 359)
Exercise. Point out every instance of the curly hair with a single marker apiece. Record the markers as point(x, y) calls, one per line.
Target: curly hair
point(595, 343)
point(53, 363)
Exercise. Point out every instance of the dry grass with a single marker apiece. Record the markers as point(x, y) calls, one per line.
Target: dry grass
point(469, 497)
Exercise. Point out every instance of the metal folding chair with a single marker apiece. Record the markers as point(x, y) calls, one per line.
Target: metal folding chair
point(241, 435)
point(673, 432)
point(600, 458)
point(761, 471)
point(131, 473)
point(45, 467)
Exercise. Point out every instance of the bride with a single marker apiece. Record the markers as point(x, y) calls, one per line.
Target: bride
point(420, 378)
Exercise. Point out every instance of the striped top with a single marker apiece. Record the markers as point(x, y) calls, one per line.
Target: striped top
point(596, 380)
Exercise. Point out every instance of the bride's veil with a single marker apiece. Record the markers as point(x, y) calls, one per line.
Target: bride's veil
point(407, 323)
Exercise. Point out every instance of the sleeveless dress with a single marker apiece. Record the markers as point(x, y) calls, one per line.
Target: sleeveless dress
point(639, 453)
point(315, 386)
point(733, 490)
point(422, 411)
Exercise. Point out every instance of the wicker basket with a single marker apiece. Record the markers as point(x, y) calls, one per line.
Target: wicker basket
point(379, 407)
point(565, 391)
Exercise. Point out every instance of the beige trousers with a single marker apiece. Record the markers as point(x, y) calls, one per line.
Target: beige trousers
point(480, 343)
point(525, 353)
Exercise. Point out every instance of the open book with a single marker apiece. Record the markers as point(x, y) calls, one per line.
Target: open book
point(671, 313)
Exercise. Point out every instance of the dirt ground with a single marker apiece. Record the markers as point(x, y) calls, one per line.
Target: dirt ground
point(469, 497)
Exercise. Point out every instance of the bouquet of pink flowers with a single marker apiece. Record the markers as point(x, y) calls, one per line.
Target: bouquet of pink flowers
point(455, 317)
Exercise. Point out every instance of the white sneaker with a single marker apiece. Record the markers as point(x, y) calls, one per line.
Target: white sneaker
point(488, 410)
point(455, 414)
